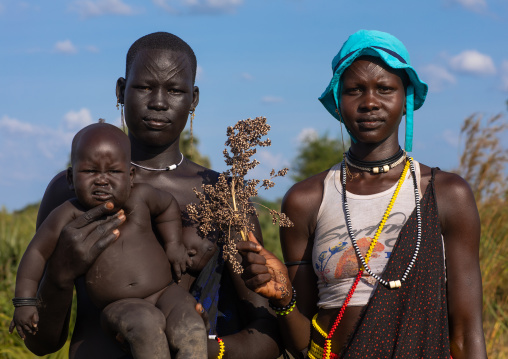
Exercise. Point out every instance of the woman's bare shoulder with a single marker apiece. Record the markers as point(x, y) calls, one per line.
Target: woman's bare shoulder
point(455, 199)
point(56, 193)
point(301, 204)
point(307, 193)
point(448, 185)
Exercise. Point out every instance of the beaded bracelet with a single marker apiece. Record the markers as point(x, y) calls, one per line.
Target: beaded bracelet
point(281, 311)
point(24, 302)
point(286, 312)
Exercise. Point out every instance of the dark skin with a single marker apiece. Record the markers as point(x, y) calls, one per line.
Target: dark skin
point(372, 106)
point(158, 95)
point(133, 266)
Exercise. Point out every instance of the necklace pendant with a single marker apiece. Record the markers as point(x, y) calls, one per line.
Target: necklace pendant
point(386, 168)
point(395, 284)
point(375, 170)
point(171, 168)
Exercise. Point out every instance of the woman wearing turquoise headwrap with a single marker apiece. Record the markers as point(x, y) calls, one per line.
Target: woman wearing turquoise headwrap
point(383, 259)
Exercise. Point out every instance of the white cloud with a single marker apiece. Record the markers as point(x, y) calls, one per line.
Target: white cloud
point(75, 121)
point(473, 62)
point(268, 161)
point(65, 47)
point(504, 75)
point(47, 141)
point(91, 8)
point(436, 77)
point(307, 135)
point(16, 127)
point(451, 137)
point(198, 6)
point(474, 5)
point(272, 99)
point(163, 5)
point(271, 160)
point(92, 48)
point(247, 76)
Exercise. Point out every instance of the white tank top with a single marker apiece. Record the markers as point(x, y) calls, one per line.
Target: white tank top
point(333, 256)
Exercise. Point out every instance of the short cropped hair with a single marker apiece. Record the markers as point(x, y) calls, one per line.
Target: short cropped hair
point(101, 125)
point(160, 41)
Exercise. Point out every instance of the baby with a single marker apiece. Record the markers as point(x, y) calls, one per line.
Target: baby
point(135, 265)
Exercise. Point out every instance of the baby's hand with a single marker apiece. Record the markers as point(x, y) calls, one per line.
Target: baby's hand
point(25, 319)
point(179, 259)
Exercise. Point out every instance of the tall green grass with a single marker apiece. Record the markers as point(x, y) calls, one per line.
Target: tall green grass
point(483, 165)
point(16, 231)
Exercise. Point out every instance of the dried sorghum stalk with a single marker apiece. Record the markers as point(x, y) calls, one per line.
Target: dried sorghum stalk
point(225, 207)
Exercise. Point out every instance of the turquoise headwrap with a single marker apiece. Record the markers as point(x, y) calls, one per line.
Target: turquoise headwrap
point(394, 54)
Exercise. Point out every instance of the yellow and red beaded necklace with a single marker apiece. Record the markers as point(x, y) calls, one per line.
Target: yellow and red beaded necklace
point(327, 352)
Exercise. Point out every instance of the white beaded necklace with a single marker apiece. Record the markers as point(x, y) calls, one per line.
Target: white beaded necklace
point(167, 168)
point(394, 283)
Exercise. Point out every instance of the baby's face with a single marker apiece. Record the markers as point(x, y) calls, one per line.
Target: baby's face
point(101, 173)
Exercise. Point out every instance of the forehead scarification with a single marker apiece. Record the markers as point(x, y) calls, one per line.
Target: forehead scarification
point(365, 69)
point(161, 40)
point(157, 64)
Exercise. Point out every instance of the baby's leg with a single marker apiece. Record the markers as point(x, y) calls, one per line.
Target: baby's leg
point(185, 328)
point(140, 324)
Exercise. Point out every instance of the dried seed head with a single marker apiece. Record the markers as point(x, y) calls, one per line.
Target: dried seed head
point(225, 207)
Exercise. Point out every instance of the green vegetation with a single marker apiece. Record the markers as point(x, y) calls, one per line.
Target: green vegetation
point(483, 165)
point(269, 230)
point(16, 231)
point(316, 154)
point(189, 149)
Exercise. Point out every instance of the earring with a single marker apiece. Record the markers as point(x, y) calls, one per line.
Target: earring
point(120, 106)
point(341, 134)
point(191, 132)
point(348, 172)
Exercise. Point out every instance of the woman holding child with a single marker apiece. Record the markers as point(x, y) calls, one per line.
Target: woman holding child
point(383, 259)
point(157, 93)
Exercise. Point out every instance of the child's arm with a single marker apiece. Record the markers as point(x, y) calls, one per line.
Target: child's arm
point(31, 268)
point(166, 218)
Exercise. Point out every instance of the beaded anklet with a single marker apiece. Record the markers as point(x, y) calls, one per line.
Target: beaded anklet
point(282, 311)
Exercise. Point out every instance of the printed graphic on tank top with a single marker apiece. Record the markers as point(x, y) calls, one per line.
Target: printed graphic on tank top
point(333, 257)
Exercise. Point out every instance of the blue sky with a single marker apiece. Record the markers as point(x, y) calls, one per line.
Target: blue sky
point(59, 62)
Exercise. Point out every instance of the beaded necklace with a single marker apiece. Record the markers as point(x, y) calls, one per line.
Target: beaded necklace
point(376, 167)
point(327, 350)
point(167, 168)
point(394, 283)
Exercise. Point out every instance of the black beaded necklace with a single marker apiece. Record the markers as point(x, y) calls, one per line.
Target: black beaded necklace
point(381, 166)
